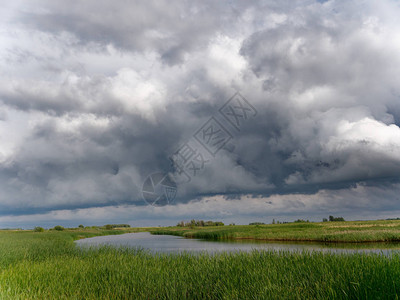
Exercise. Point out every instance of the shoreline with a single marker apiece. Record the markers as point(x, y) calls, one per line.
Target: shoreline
point(292, 240)
point(346, 232)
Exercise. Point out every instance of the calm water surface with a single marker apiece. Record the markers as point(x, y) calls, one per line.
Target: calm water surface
point(175, 244)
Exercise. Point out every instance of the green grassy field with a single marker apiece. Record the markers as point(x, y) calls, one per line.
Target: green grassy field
point(358, 231)
point(47, 265)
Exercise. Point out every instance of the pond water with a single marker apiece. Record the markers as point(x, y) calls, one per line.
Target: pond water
point(175, 244)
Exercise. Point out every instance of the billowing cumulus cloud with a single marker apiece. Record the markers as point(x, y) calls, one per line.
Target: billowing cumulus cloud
point(95, 96)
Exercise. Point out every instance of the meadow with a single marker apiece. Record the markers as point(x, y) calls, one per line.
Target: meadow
point(48, 265)
point(326, 232)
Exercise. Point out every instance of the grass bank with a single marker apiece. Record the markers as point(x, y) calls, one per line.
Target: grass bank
point(35, 246)
point(348, 231)
point(48, 266)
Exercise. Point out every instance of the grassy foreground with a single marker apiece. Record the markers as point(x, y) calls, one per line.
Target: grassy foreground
point(348, 231)
point(48, 266)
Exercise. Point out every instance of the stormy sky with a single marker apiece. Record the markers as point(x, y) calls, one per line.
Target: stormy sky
point(256, 109)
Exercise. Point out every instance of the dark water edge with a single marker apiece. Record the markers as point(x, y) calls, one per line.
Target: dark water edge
point(176, 244)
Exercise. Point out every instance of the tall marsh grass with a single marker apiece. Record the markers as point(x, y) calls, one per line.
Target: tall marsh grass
point(49, 266)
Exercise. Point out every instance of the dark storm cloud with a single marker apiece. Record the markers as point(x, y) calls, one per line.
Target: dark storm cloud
point(100, 94)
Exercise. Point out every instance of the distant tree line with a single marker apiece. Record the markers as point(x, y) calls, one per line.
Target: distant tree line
point(61, 228)
point(333, 219)
point(301, 221)
point(111, 226)
point(199, 223)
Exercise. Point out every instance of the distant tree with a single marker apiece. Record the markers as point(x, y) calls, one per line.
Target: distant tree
point(192, 223)
point(257, 223)
point(123, 225)
point(111, 226)
point(337, 219)
point(58, 228)
point(81, 226)
point(324, 220)
point(200, 223)
point(38, 229)
point(299, 221)
point(273, 221)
